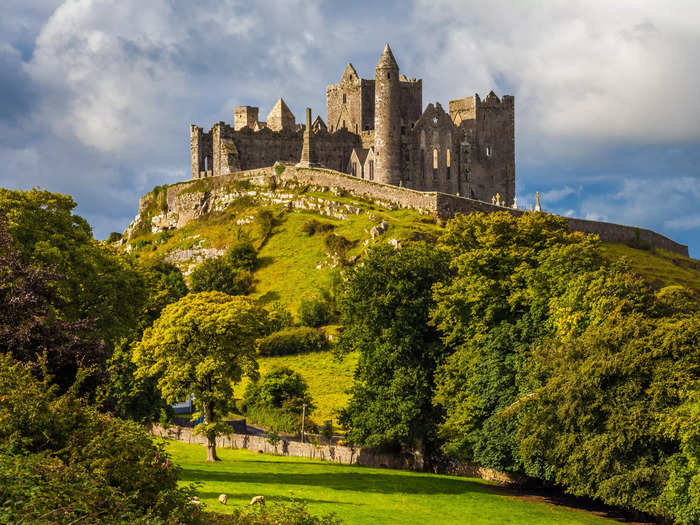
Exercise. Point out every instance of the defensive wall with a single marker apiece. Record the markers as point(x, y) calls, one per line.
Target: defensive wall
point(335, 453)
point(438, 204)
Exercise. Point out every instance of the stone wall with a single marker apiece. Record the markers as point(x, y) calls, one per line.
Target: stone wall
point(440, 205)
point(336, 454)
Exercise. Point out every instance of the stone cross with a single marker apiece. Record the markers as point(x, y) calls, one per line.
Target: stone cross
point(537, 202)
point(498, 199)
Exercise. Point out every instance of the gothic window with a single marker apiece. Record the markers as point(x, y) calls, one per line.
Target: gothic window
point(448, 163)
point(355, 128)
point(422, 163)
point(354, 169)
point(435, 164)
point(344, 98)
point(371, 170)
point(343, 123)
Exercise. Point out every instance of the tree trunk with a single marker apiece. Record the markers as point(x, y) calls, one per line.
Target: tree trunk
point(211, 436)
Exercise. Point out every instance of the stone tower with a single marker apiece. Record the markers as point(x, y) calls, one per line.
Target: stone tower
point(387, 120)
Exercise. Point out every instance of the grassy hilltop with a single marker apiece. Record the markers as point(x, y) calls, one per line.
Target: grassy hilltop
point(296, 261)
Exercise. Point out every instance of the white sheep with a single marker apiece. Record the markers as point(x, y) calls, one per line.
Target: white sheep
point(258, 500)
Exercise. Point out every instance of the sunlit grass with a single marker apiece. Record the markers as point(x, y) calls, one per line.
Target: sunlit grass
point(360, 495)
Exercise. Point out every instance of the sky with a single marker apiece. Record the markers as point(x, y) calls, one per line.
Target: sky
point(96, 96)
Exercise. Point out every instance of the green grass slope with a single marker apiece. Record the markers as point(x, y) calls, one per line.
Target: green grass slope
point(360, 495)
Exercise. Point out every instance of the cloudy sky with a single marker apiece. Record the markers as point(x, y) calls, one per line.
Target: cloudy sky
point(96, 95)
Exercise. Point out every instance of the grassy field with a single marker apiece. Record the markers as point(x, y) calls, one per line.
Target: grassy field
point(361, 495)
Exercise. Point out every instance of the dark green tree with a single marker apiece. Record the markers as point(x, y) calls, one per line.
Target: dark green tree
point(231, 273)
point(385, 306)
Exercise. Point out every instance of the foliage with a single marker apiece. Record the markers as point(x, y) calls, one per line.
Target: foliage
point(30, 328)
point(313, 226)
point(114, 237)
point(385, 305)
point(280, 317)
point(96, 284)
point(296, 340)
point(566, 367)
point(201, 345)
point(125, 395)
point(315, 311)
point(337, 244)
point(61, 460)
point(229, 274)
point(277, 400)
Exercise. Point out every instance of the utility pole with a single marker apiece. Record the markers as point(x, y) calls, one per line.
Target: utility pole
point(303, 417)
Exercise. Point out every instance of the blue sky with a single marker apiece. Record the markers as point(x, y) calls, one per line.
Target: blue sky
point(96, 96)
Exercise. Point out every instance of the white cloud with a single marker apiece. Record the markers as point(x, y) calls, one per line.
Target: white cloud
point(583, 73)
point(557, 194)
point(691, 222)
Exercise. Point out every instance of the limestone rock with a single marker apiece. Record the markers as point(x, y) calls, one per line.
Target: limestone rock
point(223, 498)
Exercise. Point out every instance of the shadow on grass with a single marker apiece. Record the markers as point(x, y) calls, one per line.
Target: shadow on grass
point(356, 481)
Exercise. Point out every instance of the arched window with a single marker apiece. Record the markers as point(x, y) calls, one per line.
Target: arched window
point(371, 170)
point(448, 163)
point(422, 163)
point(388, 75)
point(435, 164)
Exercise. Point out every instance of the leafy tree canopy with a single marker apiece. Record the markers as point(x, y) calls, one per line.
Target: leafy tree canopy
point(202, 345)
point(385, 305)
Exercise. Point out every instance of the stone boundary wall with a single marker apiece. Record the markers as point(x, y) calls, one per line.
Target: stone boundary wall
point(337, 454)
point(440, 205)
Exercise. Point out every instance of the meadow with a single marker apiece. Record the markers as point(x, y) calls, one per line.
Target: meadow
point(360, 495)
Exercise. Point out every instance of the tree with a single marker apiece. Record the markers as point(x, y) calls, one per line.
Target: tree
point(96, 284)
point(491, 317)
point(202, 345)
point(124, 395)
point(31, 329)
point(229, 274)
point(385, 306)
point(277, 399)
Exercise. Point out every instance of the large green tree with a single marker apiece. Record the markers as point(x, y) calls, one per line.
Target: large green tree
point(96, 284)
point(385, 305)
point(201, 345)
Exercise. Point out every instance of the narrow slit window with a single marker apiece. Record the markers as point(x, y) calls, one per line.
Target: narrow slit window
point(345, 99)
point(489, 151)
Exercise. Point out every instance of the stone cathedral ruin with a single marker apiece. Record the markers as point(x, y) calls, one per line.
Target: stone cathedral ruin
point(377, 130)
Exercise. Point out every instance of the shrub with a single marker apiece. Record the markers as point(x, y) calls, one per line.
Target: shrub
point(114, 237)
point(297, 340)
point(313, 226)
point(229, 274)
point(280, 318)
point(62, 461)
point(277, 400)
point(314, 312)
point(338, 244)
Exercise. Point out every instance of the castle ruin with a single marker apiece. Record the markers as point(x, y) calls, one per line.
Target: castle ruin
point(378, 131)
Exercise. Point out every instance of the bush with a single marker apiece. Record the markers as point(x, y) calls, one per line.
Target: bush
point(280, 318)
point(314, 312)
point(229, 274)
point(293, 341)
point(338, 244)
point(313, 226)
point(63, 459)
point(114, 237)
point(277, 400)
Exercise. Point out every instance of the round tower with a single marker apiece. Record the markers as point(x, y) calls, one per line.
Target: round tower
point(387, 120)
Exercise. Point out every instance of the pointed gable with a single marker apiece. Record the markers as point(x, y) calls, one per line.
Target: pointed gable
point(281, 117)
point(350, 74)
point(319, 125)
